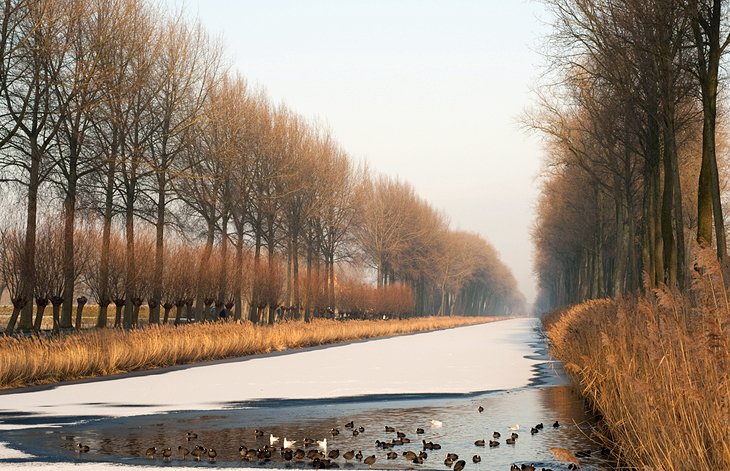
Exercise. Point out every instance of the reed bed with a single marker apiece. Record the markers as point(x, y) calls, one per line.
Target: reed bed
point(658, 369)
point(26, 361)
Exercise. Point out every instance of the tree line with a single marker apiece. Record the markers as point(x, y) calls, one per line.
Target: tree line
point(140, 168)
point(633, 183)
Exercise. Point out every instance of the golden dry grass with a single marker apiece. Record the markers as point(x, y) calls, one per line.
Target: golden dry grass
point(37, 360)
point(658, 369)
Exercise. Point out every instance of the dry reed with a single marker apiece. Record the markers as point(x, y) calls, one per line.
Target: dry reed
point(658, 369)
point(27, 361)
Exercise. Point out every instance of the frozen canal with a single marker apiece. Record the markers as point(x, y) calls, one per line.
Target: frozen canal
point(402, 382)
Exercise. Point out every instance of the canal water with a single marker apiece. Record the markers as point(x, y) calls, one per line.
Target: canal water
point(452, 421)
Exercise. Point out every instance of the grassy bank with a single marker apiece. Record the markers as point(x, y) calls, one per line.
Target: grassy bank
point(658, 368)
point(34, 360)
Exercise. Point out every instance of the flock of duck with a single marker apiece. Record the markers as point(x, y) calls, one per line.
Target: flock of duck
point(321, 456)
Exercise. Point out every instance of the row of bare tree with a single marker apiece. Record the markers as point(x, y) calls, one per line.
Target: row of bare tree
point(123, 118)
point(630, 117)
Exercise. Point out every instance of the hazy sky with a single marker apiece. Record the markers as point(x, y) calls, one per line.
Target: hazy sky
point(429, 91)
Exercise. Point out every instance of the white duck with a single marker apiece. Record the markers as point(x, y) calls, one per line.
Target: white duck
point(289, 443)
point(436, 424)
point(515, 427)
point(273, 439)
point(322, 444)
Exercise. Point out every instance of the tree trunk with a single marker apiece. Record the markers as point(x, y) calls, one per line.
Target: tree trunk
point(670, 246)
point(167, 307)
point(56, 304)
point(101, 319)
point(28, 270)
point(200, 314)
point(18, 305)
point(158, 272)
point(40, 309)
point(130, 281)
point(69, 223)
point(104, 299)
point(79, 310)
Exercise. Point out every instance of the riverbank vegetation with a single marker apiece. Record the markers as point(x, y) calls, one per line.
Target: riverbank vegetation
point(630, 236)
point(136, 167)
point(657, 367)
point(26, 361)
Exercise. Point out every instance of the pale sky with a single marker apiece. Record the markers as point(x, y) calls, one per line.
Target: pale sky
point(428, 91)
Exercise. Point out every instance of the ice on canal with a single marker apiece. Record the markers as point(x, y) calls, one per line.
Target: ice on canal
point(404, 382)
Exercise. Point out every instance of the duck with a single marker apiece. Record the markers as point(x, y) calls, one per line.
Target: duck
point(183, 451)
point(448, 461)
point(287, 454)
point(572, 466)
point(322, 444)
point(436, 424)
point(150, 453)
point(533, 431)
point(242, 450)
point(496, 435)
point(479, 443)
point(392, 455)
point(476, 459)
point(333, 454)
point(389, 429)
point(556, 424)
point(312, 454)
point(198, 452)
point(410, 456)
point(510, 441)
point(514, 467)
point(289, 443)
point(166, 454)
point(251, 454)
point(417, 460)
point(539, 426)
point(401, 434)
point(361, 429)
point(299, 454)
point(350, 424)
point(212, 454)
point(191, 436)
point(349, 455)
point(358, 455)
point(514, 427)
point(420, 431)
point(308, 441)
point(423, 455)
point(335, 431)
point(527, 467)
point(459, 465)
point(273, 439)
point(493, 443)
point(258, 433)
point(453, 456)
point(263, 454)
point(81, 448)
point(370, 460)
point(480, 409)
point(515, 436)
point(355, 433)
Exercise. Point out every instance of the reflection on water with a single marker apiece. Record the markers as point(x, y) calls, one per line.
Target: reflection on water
point(126, 440)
